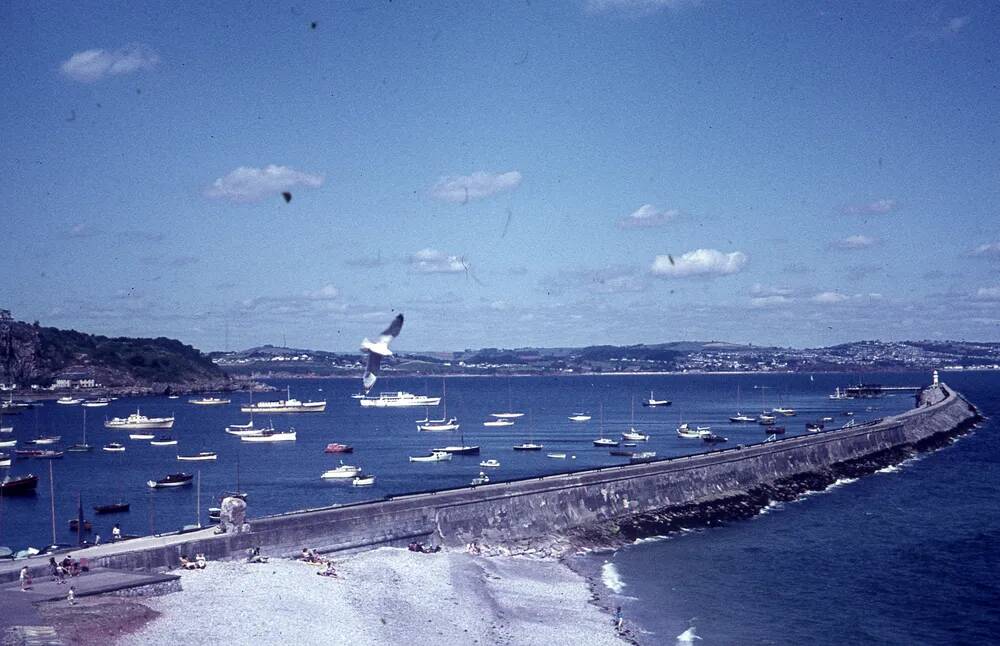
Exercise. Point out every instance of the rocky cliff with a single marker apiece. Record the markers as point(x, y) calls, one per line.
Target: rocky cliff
point(32, 354)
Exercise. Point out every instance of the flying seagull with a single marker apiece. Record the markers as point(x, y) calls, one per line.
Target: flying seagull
point(378, 350)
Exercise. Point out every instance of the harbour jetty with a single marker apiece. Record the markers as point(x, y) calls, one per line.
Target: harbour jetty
point(552, 514)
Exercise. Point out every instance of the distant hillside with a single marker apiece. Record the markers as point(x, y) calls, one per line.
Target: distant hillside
point(31, 354)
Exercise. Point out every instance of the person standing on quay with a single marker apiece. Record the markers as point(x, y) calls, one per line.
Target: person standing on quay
point(116, 533)
point(25, 579)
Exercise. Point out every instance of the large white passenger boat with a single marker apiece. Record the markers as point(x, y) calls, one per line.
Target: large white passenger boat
point(139, 421)
point(398, 399)
point(287, 405)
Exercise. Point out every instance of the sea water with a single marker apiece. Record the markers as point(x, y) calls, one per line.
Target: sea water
point(908, 555)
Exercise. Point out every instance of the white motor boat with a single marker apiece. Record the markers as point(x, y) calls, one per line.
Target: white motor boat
point(435, 456)
point(113, 447)
point(490, 464)
point(740, 418)
point(363, 481)
point(397, 399)
point(202, 456)
point(605, 441)
point(96, 403)
point(529, 446)
point(209, 401)
point(579, 417)
point(507, 415)
point(287, 405)
point(498, 422)
point(138, 421)
point(141, 436)
point(556, 456)
point(482, 478)
point(69, 401)
point(6, 444)
point(163, 441)
point(342, 472)
point(781, 410)
point(245, 429)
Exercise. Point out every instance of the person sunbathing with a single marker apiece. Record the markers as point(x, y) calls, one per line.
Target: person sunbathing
point(329, 571)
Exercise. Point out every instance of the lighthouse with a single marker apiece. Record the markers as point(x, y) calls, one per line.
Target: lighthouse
point(936, 381)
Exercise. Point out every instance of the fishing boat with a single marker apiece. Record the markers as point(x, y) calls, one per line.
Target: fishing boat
point(201, 456)
point(443, 424)
point(163, 440)
point(490, 464)
point(113, 447)
point(434, 456)
point(579, 417)
point(632, 434)
point(137, 421)
point(641, 457)
point(69, 401)
point(482, 478)
point(209, 401)
point(605, 441)
point(96, 403)
point(271, 435)
point(6, 444)
point(241, 430)
point(287, 405)
point(397, 399)
point(171, 480)
point(18, 485)
point(652, 402)
point(712, 438)
point(141, 436)
point(112, 508)
point(685, 431)
point(47, 439)
point(337, 447)
point(782, 410)
point(556, 456)
point(492, 423)
point(363, 481)
point(343, 471)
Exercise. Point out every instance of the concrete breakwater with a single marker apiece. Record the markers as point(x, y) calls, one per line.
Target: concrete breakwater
point(598, 506)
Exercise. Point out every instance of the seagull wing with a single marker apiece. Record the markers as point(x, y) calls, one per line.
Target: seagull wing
point(392, 331)
point(371, 370)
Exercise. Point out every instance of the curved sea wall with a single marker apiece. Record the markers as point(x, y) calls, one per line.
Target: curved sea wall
point(597, 506)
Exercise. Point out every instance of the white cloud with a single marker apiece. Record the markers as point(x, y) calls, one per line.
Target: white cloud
point(766, 290)
point(987, 249)
point(92, 65)
point(639, 7)
point(462, 188)
point(855, 242)
point(645, 216)
point(878, 207)
point(988, 293)
point(700, 262)
point(324, 293)
point(769, 301)
point(432, 261)
point(829, 298)
point(247, 184)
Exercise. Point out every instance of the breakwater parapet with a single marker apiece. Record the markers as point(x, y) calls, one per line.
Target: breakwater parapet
point(596, 506)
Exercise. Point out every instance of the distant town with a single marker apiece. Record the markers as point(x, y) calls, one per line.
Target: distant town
point(691, 357)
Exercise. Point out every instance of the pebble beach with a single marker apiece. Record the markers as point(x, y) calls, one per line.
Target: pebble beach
point(385, 596)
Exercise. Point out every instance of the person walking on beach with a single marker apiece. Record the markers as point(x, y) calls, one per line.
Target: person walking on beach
point(619, 620)
point(71, 596)
point(25, 579)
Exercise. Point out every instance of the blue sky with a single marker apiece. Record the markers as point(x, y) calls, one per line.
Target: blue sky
point(505, 174)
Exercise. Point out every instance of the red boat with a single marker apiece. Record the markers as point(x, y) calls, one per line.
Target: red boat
point(336, 447)
point(19, 485)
